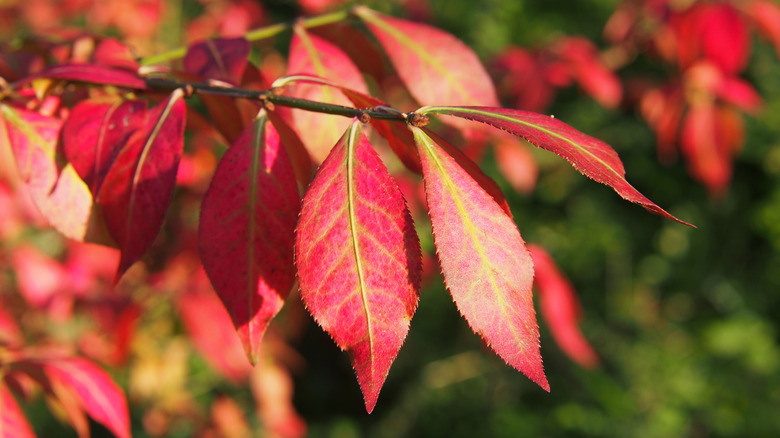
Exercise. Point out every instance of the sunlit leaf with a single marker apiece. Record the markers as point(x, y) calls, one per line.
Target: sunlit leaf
point(247, 228)
point(590, 156)
point(138, 187)
point(436, 67)
point(60, 195)
point(358, 259)
point(310, 54)
point(485, 263)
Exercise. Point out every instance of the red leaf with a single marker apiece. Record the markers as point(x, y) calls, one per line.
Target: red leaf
point(582, 58)
point(310, 54)
point(247, 226)
point(95, 132)
point(358, 259)
point(435, 66)
point(516, 164)
point(13, 423)
point(138, 187)
point(211, 329)
point(97, 392)
point(60, 195)
point(561, 309)
point(223, 59)
point(766, 16)
point(485, 264)
point(92, 74)
point(590, 156)
point(709, 140)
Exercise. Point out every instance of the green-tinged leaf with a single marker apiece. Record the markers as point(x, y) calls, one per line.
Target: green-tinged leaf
point(485, 263)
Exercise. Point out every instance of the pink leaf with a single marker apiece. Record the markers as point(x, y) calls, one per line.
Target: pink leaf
point(358, 259)
point(590, 156)
point(561, 309)
point(97, 392)
point(310, 54)
point(223, 59)
point(436, 67)
point(485, 264)
point(13, 423)
point(95, 132)
point(92, 74)
point(247, 231)
point(60, 195)
point(138, 187)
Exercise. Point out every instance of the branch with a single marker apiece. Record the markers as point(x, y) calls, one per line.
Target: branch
point(274, 97)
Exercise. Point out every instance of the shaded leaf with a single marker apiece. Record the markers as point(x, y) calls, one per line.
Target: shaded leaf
point(246, 234)
point(436, 67)
point(97, 392)
point(296, 151)
point(92, 74)
point(358, 259)
point(223, 59)
point(13, 422)
point(310, 54)
point(138, 187)
point(590, 156)
point(485, 264)
point(95, 132)
point(561, 309)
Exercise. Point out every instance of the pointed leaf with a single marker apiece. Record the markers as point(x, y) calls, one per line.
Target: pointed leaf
point(436, 67)
point(223, 59)
point(97, 392)
point(247, 227)
point(95, 132)
point(358, 259)
point(60, 195)
point(138, 187)
point(590, 156)
point(310, 54)
point(561, 309)
point(13, 422)
point(485, 264)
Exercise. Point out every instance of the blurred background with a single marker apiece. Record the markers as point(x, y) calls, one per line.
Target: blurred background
point(684, 321)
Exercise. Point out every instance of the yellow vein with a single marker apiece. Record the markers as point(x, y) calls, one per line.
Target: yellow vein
point(353, 227)
point(257, 145)
point(420, 136)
